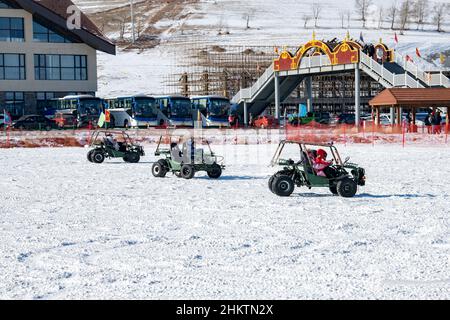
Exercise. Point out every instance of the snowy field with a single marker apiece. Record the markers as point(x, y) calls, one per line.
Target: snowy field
point(72, 229)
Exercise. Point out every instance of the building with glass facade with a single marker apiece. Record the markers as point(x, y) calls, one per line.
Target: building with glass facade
point(41, 59)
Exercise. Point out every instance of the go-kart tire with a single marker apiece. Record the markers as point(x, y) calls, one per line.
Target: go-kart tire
point(89, 155)
point(215, 172)
point(333, 189)
point(158, 170)
point(132, 157)
point(347, 188)
point(283, 186)
point(187, 172)
point(271, 180)
point(98, 157)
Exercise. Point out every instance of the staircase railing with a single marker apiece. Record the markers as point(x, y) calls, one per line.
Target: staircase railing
point(431, 79)
point(395, 80)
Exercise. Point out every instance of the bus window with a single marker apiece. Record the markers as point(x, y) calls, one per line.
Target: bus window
point(181, 108)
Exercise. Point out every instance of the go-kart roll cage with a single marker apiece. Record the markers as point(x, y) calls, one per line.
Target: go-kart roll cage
point(97, 133)
point(304, 150)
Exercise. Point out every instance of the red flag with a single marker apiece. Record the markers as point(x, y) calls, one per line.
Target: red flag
point(396, 38)
point(418, 53)
point(107, 116)
point(408, 58)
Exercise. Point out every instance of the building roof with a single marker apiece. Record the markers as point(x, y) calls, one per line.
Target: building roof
point(55, 11)
point(412, 97)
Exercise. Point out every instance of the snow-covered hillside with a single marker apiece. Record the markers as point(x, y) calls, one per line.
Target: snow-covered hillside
point(75, 230)
point(272, 23)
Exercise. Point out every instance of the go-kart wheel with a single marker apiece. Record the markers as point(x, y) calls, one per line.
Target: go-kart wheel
point(133, 157)
point(347, 188)
point(158, 170)
point(283, 186)
point(164, 164)
point(89, 155)
point(187, 171)
point(272, 178)
point(98, 157)
point(333, 189)
point(215, 172)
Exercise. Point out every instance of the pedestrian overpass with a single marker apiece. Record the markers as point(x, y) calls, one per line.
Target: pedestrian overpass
point(316, 58)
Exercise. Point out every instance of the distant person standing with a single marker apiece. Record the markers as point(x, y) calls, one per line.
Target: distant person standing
point(428, 123)
point(438, 120)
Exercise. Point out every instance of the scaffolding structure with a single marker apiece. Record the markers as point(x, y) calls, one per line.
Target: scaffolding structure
point(219, 70)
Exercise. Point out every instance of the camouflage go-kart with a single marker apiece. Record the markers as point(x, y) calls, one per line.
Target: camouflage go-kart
point(344, 182)
point(114, 144)
point(187, 161)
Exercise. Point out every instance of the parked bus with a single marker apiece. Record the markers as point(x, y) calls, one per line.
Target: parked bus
point(177, 111)
point(134, 111)
point(214, 110)
point(85, 108)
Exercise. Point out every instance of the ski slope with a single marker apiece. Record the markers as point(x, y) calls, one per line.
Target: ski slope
point(272, 23)
point(74, 230)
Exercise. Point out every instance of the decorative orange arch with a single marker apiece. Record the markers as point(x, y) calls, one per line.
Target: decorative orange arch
point(346, 52)
point(287, 61)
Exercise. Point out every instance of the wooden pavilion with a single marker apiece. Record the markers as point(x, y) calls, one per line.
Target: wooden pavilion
point(412, 100)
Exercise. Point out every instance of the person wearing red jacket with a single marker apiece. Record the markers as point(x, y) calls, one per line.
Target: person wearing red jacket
point(322, 166)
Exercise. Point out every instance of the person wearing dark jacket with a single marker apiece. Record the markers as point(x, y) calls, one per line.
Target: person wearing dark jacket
point(437, 122)
point(428, 122)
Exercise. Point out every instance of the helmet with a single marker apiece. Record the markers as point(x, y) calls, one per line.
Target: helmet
point(322, 153)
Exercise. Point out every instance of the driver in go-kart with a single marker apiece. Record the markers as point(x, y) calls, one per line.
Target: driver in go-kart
point(112, 142)
point(323, 167)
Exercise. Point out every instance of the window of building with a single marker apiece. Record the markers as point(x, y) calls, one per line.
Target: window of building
point(44, 34)
point(15, 103)
point(5, 5)
point(12, 29)
point(60, 67)
point(12, 66)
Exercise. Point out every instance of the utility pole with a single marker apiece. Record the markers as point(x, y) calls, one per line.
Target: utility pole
point(132, 21)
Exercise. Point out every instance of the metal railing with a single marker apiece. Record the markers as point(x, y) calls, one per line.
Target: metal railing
point(431, 79)
point(395, 80)
point(269, 74)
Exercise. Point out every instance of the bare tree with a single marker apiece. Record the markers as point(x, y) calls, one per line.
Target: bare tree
point(140, 26)
point(420, 13)
point(342, 18)
point(380, 17)
point(247, 17)
point(405, 14)
point(392, 14)
point(306, 19)
point(317, 9)
point(349, 17)
point(440, 12)
point(362, 7)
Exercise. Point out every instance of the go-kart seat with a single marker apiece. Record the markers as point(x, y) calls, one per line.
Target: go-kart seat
point(306, 164)
point(176, 153)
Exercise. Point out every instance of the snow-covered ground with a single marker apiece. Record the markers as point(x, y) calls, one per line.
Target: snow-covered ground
point(72, 229)
point(272, 23)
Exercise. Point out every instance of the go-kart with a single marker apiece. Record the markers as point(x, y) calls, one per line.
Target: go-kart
point(186, 161)
point(301, 173)
point(114, 144)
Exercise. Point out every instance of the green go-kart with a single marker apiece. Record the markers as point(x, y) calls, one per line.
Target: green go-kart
point(187, 161)
point(344, 182)
point(114, 144)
